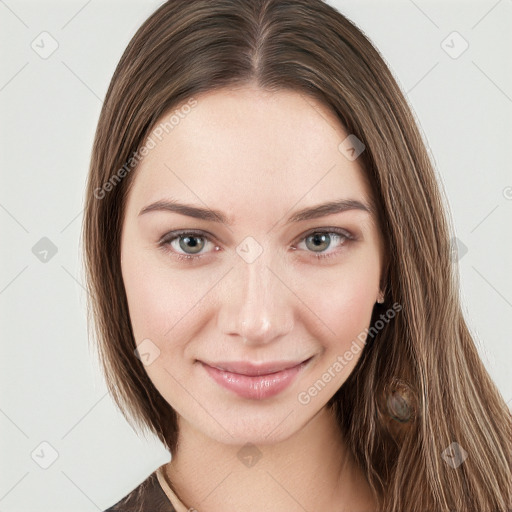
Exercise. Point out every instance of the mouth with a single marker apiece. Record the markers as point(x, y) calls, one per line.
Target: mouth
point(255, 381)
point(254, 370)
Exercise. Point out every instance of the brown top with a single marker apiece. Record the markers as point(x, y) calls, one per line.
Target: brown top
point(152, 495)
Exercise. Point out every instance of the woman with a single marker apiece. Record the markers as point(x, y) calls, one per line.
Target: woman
point(268, 256)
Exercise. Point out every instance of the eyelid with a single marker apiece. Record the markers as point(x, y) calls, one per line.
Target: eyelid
point(168, 237)
point(332, 229)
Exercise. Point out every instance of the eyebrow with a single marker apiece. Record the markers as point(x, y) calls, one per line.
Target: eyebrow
point(208, 214)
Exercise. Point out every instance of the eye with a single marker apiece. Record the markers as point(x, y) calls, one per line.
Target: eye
point(186, 245)
point(319, 241)
point(189, 245)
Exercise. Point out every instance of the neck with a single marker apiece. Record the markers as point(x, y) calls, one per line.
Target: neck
point(311, 470)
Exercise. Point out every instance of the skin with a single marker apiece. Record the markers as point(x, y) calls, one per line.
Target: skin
point(258, 157)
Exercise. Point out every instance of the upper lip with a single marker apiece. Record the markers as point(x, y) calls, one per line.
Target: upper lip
point(251, 369)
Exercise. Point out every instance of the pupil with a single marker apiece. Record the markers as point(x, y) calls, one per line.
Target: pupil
point(320, 240)
point(191, 242)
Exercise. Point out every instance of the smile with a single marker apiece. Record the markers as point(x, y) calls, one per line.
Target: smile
point(255, 382)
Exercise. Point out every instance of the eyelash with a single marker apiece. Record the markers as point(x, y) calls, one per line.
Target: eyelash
point(165, 242)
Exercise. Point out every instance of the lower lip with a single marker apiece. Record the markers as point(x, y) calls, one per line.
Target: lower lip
point(255, 387)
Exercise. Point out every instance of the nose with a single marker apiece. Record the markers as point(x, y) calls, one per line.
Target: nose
point(256, 307)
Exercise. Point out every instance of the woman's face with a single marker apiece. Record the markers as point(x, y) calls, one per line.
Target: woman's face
point(245, 321)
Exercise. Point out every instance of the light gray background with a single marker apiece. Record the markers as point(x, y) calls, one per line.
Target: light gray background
point(52, 390)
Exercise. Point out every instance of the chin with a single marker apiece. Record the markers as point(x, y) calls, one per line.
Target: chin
point(254, 424)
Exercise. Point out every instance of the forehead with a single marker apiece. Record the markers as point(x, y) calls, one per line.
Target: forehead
point(244, 148)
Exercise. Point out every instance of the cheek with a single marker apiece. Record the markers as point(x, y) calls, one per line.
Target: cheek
point(155, 300)
point(164, 304)
point(342, 302)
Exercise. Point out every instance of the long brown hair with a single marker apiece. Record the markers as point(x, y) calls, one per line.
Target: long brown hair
point(419, 388)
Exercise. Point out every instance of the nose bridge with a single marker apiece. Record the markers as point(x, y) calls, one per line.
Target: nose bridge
point(259, 309)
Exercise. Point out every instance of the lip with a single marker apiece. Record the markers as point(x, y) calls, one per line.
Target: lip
point(253, 381)
point(253, 370)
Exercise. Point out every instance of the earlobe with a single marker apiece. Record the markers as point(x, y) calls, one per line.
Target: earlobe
point(382, 293)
